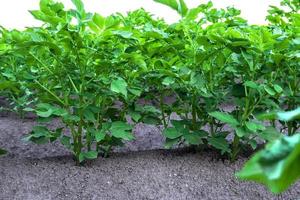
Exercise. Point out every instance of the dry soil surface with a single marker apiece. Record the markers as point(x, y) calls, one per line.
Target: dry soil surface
point(31, 172)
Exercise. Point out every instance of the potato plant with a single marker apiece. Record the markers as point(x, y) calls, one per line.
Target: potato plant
point(212, 69)
point(277, 165)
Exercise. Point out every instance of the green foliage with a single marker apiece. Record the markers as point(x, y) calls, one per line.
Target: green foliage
point(277, 166)
point(2, 152)
point(224, 117)
point(94, 73)
point(179, 6)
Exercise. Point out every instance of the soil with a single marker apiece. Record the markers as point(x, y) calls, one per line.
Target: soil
point(141, 170)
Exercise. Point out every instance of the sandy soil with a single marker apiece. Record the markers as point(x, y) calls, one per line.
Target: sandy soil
point(31, 172)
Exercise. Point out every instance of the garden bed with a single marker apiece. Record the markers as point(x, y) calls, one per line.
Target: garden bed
point(137, 171)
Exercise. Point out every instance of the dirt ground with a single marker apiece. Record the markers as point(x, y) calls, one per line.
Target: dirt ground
point(137, 171)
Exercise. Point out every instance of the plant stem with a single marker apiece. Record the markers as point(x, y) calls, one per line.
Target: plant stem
point(161, 102)
point(194, 113)
point(235, 148)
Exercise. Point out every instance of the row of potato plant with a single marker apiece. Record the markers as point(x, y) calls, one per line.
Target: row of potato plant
point(211, 68)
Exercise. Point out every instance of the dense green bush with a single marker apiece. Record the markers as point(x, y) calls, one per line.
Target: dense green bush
point(91, 71)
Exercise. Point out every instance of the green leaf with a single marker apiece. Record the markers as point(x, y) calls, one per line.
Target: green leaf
point(180, 125)
point(251, 84)
point(44, 114)
point(181, 8)
point(66, 141)
point(241, 132)
point(193, 138)
point(124, 34)
point(79, 6)
point(2, 152)
point(290, 115)
point(44, 110)
point(135, 116)
point(267, 116)
point(99, 135)
point(224, 117)
point(269, 134)
point(168, 81)
point(60, 112)
point(193, 13)
point(151, 109)
point(171, 142)
point(89, 115)
point(71, 118)
point(197, 81)
point(219, 143)
point(253, 144)
point(40, 135)
point(249, 59)
point(170, 3)
point(277, 166)
point(171, 133)
point(99, 20)
point(119, 86)
point(269, 90)
point(254, 126)
point(135, 91)
point(278, 89)
point(81, 157)
point(121, 130)
point(91, 155)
